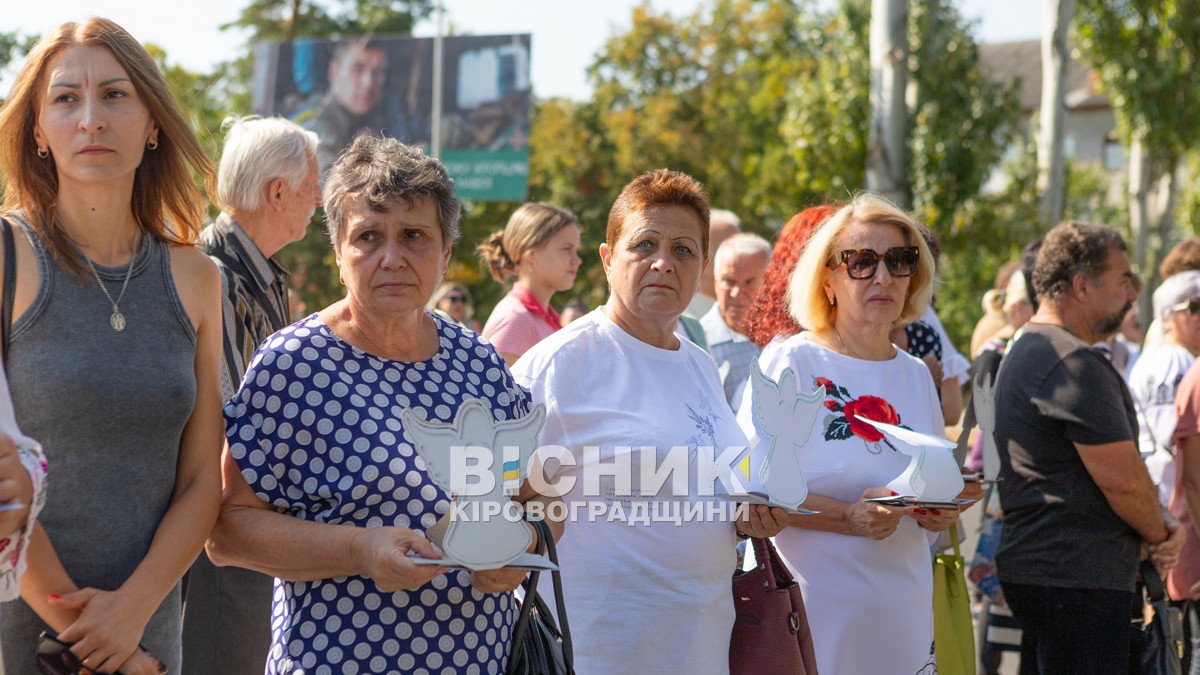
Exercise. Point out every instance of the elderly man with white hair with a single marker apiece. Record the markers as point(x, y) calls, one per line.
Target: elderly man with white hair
point(722, 224)
point(1156, 374)
point(738, 267)
point(267, 186)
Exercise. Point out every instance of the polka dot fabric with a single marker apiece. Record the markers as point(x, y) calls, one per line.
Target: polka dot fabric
point(315, 429)
point(922, 340)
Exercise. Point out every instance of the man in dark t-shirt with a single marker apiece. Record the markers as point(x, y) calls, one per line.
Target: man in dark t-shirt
point(1078, 502)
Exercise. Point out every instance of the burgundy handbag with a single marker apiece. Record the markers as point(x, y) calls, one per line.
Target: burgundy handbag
point(770, 632)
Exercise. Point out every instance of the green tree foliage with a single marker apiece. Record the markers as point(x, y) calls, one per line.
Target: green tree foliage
point(1146, 53)
point(199, 99)
point(961, 123)
point(767, 103)
point(12, 45)
point(828, 107)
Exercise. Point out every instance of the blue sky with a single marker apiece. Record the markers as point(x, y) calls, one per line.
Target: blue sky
point(566, 33)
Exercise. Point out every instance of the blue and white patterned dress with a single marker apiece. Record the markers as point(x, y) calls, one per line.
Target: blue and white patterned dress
point(315, 429)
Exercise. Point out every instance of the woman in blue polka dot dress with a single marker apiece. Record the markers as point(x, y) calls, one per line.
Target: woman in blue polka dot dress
point(323, 488)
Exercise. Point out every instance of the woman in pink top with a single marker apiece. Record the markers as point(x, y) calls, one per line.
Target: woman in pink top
point(539, 248)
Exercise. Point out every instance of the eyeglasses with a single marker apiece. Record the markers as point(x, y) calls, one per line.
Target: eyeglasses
point(1190, 306)
point(456, 298)
point(862, 263)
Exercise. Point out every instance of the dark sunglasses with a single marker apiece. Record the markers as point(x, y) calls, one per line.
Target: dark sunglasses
point(1190, 306)
point(456, 298)
point(862, 263)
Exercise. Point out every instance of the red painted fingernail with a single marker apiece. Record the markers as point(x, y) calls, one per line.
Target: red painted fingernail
point(936, 512)
point(54, 596)
point(921, 511)
point(894, 493)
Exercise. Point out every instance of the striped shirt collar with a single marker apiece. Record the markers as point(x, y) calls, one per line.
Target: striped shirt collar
point(265, 271)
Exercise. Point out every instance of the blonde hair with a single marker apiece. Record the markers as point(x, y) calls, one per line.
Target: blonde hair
point(529, 228)
point(806, 296)
point(166, 202)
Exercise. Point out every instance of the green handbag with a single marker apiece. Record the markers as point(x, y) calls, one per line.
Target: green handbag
point(953, 634)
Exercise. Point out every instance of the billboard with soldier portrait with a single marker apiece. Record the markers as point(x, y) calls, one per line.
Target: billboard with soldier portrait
point(384, 85)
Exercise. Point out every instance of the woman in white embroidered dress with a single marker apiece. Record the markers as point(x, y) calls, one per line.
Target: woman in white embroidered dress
point(864, 568)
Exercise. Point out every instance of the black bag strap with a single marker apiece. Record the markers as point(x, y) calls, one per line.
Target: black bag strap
point(1155, 590)
point(10, 286)
point(533, 599)
point(560, 602)
point(530, 586)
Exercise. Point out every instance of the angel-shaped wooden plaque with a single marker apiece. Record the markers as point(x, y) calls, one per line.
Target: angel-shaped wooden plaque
point(475, 533)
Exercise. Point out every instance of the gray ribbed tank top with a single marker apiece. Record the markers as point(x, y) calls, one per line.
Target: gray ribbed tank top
point(109, 409)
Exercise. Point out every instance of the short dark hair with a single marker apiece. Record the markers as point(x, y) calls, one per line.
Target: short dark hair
point(380, 171)
point(1028, 262)
point(1070, 249)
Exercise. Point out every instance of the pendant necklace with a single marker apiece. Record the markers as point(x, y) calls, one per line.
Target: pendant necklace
point(117, 319)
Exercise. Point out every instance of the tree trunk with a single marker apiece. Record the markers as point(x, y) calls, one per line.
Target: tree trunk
point(887, 144)
point(290, 33)
point(1166, 192)
point(1051, 163)
point(1139, 221)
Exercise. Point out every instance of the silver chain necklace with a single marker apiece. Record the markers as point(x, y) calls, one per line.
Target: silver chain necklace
point(117, 320)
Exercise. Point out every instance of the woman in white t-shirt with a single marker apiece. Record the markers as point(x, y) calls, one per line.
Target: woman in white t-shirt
point(1157, 372)
point(864, 568)
point(646, 558)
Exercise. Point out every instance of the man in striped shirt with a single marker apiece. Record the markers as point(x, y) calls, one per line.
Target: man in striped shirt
point(267, 186)
point(738, 267)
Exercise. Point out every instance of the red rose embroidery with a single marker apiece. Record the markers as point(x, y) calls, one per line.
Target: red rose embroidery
point(872, 408)
point(831, 405)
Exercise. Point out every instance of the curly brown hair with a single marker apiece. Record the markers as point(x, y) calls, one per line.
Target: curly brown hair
point(770, 316)
point(1070, 249)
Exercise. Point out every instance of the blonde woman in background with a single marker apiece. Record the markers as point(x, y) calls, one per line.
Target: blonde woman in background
point(539, 249)
point(993, 318)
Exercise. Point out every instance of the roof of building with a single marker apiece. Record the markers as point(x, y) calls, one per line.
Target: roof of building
point(1023, 60)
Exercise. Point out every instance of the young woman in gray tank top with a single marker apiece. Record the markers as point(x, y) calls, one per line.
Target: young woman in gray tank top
point(115, 347)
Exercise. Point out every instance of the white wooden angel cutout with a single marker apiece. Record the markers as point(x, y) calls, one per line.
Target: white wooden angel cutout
point(983, 398)
point(482, 538)
point(932, 474)
point(785, 418)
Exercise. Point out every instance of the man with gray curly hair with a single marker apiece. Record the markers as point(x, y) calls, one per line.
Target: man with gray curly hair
point(267, 190)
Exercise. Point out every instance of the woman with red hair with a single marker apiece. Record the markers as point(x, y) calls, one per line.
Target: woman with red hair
point(770, 317)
